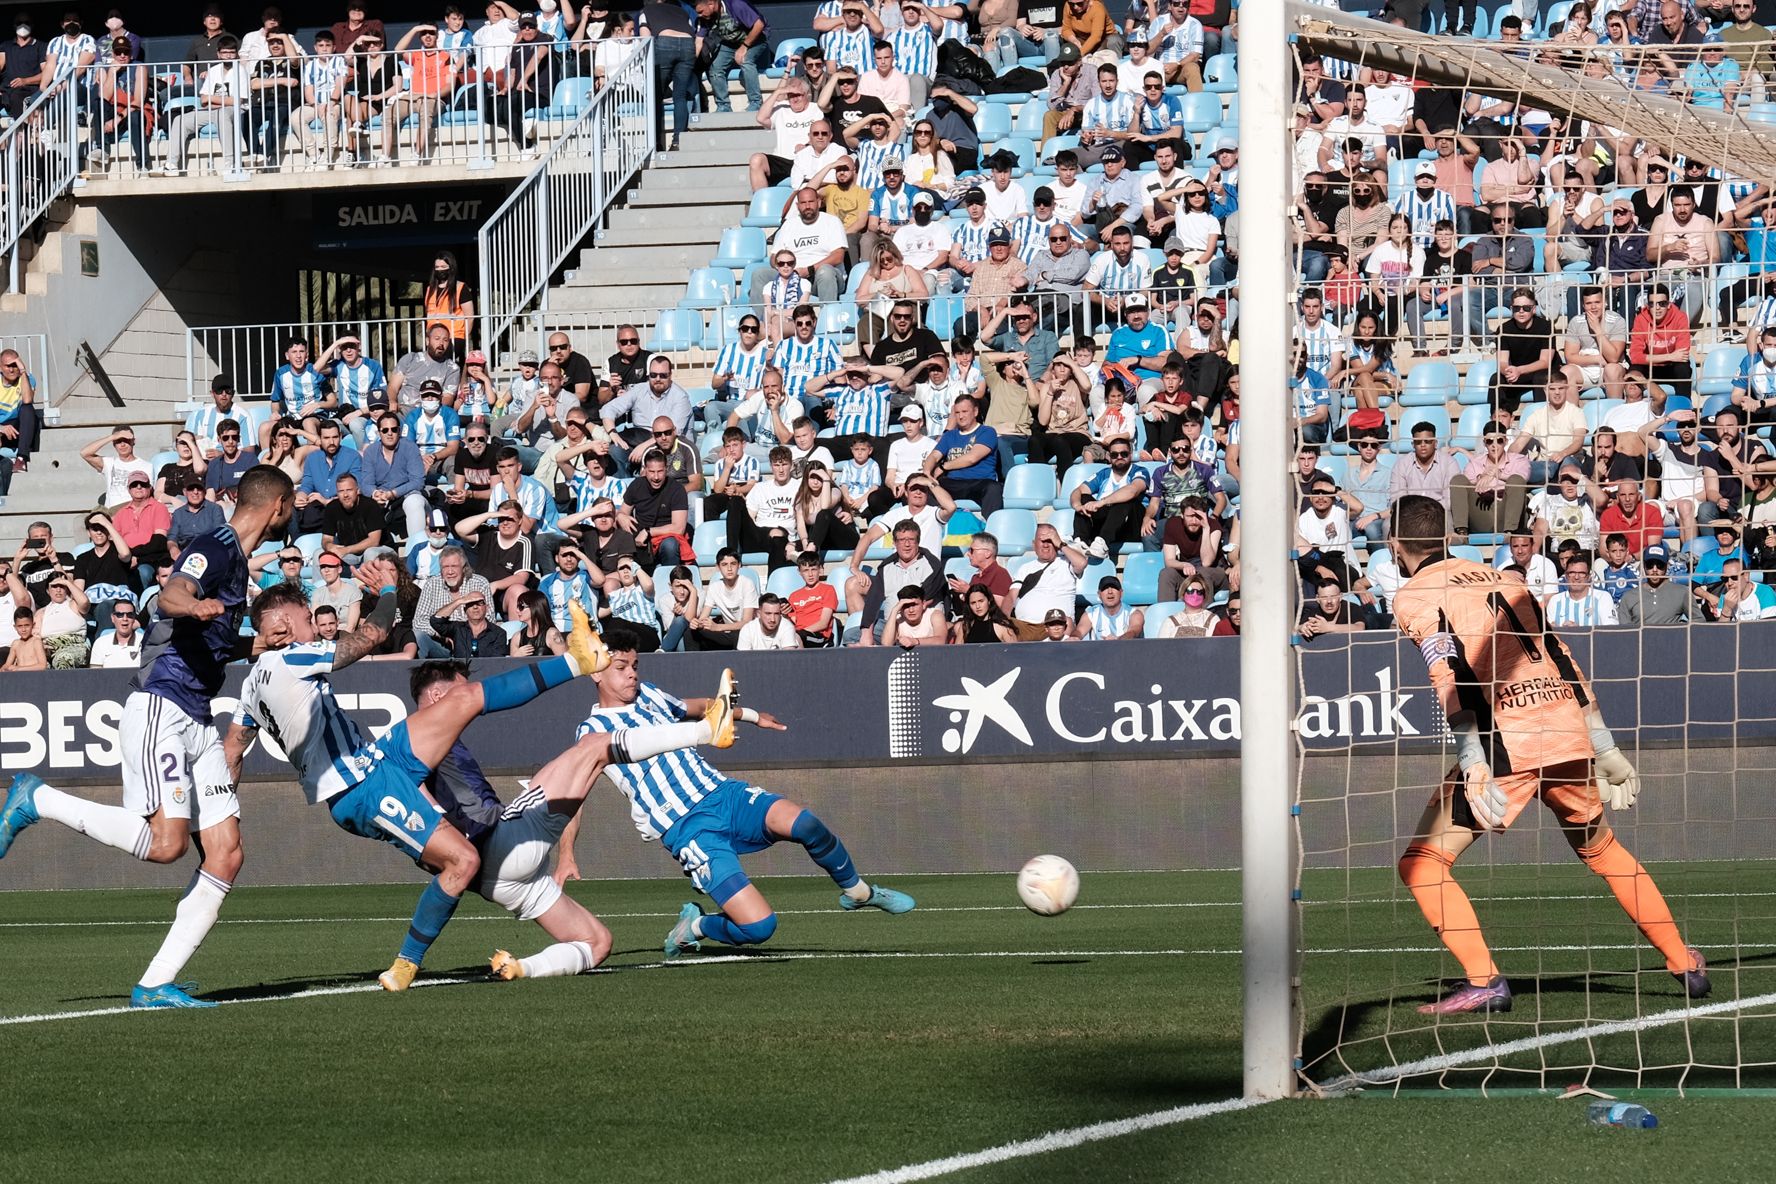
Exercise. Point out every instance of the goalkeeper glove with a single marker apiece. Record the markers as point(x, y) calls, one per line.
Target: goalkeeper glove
point(1486, 800)
point(1618, 784)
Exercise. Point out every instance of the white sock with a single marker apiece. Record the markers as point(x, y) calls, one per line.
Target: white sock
point(655, 739)
point(860, 890)
point(563, 958)
point(111, 825)
point(191, 924)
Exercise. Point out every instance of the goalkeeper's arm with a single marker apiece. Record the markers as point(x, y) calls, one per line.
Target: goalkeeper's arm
point(1618, 783)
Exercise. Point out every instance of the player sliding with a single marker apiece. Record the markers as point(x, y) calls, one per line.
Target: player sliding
point(1526, 725)
point(516, 842)
point(375, 788)
point(708, 821)
point(175, 781)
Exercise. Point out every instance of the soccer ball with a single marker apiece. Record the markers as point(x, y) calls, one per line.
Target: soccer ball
point(1048, 885)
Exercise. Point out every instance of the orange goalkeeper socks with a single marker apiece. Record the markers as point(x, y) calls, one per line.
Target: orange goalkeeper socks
point(1639, 897)
point(1426, 871)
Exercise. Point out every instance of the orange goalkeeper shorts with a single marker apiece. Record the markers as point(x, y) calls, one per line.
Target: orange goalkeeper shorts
point(1566, 789)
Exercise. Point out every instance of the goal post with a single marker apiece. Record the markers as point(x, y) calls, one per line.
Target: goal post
point(1267, 588)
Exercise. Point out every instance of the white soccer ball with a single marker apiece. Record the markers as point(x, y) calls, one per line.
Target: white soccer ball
point(1048, 885)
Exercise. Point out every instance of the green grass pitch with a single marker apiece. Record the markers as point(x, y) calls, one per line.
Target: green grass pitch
point(854, 1043)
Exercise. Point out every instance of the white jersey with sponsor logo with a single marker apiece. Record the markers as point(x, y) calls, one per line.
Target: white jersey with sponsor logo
point(661, 789)
point(287, 696)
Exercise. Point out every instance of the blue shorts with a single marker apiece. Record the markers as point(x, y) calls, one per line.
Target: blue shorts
point(390, 804)
point(709, 841)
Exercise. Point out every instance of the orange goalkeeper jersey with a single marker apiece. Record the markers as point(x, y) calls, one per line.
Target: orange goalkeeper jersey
point(1489, 651)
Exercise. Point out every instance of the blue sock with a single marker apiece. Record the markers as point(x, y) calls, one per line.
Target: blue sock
point(429, 918)
point(515, 688)
point(731, 933)
point(824, 849)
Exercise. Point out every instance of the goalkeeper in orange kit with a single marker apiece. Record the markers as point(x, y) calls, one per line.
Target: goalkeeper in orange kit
point(1526, 725)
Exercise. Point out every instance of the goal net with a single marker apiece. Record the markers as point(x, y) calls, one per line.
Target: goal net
point(1569, 129)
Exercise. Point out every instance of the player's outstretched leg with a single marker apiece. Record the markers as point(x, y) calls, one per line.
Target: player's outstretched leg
point(1641, 899)
point(1427, 869)
point(30, 800)
point(458, 864)
point(790, 821)
point(581, 943)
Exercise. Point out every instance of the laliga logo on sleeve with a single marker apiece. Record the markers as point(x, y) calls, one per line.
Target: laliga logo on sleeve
point(975, 706)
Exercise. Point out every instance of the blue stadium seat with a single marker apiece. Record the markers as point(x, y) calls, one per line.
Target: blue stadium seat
point(1015, 530)
point(785, 48)
point(1596, 410)
point(1476, 385)
point(1095, 571)
point(1062, 521)
point(710, 537)
point(1072, 479)
point(1714, 403)
point(1140, 577)
point(992, 121)
point(570, 98)
point(677, 329)
point(741, 246)
point(1221, 74)
point(1029, 486)
point(1058, 144)
point(1433, 415)
point(1430, 384)
point(943, 313)
point(1719, 368)
point(1158, 615)
point(1028, 121)
point(710, 287)
point(766, 208)
point(724, 326)
point(839, 322)
point(783, 581)
point(1202, 111)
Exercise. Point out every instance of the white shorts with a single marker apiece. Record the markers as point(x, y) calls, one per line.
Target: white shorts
point(173, 764)
point(1592, 375)
point(516, 858)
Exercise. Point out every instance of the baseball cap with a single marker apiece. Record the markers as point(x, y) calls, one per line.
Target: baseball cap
point(1425, 169)
point(194, 483)
point(1067, 53)
point(1135, 301)
point(527, 21)
point(527, 358)
point(1719, 527)
point(222, 382)
point(974, 197)
point(1000, 235)
point(1055, 617)
point(1112, 153)
point(1658, 553)
point(431, 386)
point(1043, 194)
point(922, 198)
point(437, 520)
point(911, 412)
point(1174, 244)
point(475, 358)
point(894, 164)
point(1304, 109)
point(1226, 144)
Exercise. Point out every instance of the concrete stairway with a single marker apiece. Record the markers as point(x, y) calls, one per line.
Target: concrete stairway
point(59, 488)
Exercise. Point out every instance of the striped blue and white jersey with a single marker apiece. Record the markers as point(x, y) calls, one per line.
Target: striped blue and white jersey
point(552, 25)
point(953, 30)
point(845, 48)
point(858, 479)
point(1030, 235)
point(1425, 213)
point(896, 209)
point(538, 503)
point(1763, 316)
point(1172, 41)
point(801, 360)
point(915, 50)
point(871, 156)
point(971, 238)
point(586, 491)
point(1111, 114)
point(631, 602)
point(457, 43)
point(1594, 608)
point(1323, 342)
point(1107, 274)
point(65, 55)
point(862, 409)
point(326, 75)
point(1106, 624)
point(746, 365)
point(661, 789)
point(746, 469)
point(360, 386)
point(432, 432)
point(293, 389)
point(560, 591)
point(203, 423)
point(287, 696)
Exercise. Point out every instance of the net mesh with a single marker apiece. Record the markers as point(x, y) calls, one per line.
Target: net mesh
point(1693, 705)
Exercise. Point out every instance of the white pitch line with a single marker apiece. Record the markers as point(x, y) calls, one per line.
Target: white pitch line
point(1096, 1132)
point(311, 993)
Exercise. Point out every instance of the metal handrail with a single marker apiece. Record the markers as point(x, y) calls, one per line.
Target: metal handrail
point(566, 195)
point(39, 161)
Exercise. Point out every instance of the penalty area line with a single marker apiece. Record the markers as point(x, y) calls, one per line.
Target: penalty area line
point(1063, 1140)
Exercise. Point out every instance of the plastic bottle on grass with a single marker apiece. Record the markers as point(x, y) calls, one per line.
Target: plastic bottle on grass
point(1624, 1114)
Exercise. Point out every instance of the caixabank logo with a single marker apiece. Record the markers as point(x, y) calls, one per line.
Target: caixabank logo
point(939, 709)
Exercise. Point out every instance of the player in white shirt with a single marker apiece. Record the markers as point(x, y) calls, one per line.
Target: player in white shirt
point(375, 788)
point(770, 630)
point(707, 821)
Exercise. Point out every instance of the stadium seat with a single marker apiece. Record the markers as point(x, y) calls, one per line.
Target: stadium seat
point(1439, 416)
point(1714, 403)
point(677, 329)
point(766, 208)
point(1221, 74)
point(724, 325)
point(1028, 121)
point(1719, 368)
point(1430, 384)
point(1072, 479)
point(1597, 409)
point(958, 569)
point(785, 49)
point(992, 121)
point(160, 460)
point(570, 98)
point(709, 537)
point(1058, 144)
point(710, 287)
point(1467, 431)
point(1477, 384)
point(783, 581)
point(741, 247)
point(839, 322)
point(1467, 551)
point(1202, 111)
point(1015, 529)
point(943, 313)
point(1095, 571)
point(1158, 615)
point(1702, 544)
point(1062, 521)
point(1030, 486)
point(1140, 577)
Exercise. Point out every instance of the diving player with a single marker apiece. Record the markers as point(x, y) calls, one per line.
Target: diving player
point(1526, 726)
point(175, 780)
point(708, 821)
point(375, 788)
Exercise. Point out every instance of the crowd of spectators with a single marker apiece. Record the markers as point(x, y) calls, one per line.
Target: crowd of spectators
point(1081, 314)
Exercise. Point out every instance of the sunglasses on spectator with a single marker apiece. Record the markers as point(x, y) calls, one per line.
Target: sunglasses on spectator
point(659, 374)
point(1367, 444)
point(223, 436)
point(1059, 238)
point(475, 439)
point(556, 348)
point(388, 431)
point(1494, 440)
point(289, 559)
point(804, 320)
point(1523, 308)
point(1121, 455)
point(330, 566)
point(628, 341)
point(1659, 303)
